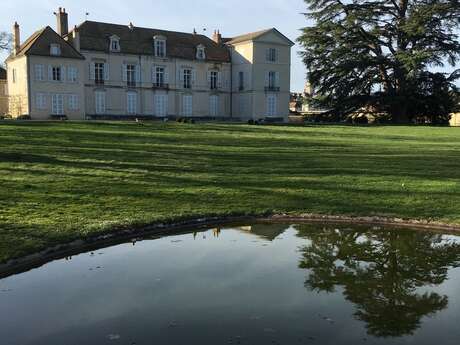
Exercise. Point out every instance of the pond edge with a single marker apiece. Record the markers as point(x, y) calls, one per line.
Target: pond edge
point(160, 229)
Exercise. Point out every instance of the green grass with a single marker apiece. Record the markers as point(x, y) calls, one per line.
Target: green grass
point(63, 181)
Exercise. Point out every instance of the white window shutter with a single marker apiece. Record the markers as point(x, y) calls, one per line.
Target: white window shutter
point(193, 76)
point(219, 79)
point(124, 73)
point(209, 77)
point(92, 71)
point(63, 70)
point(277, 54)
point(181, 74)
point(138, 73)
point(277, 79)
point(154, 74)
point(106, 72)
point(166, 76)
point(69, 73)
point(267, 79)
point(50, 72)
point(267, 55)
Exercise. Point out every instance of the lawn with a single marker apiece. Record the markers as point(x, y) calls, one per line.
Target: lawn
point(63, 181)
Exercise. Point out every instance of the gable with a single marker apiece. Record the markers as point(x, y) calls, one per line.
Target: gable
point(39, 44)
point(274, 36)
point(269, 36)
point(42, 44)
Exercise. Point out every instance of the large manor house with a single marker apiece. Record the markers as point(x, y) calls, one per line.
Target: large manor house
point(106, 71)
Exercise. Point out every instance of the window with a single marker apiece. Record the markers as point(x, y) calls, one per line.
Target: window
point(57, 104)
point(200, 53)
point(100, 102)
point(40, 101)
point(214, 105)
point(241, 81)
point(55, 49)
point(271, 105)
point(131, 103)
point(39, 72)
point(160, 47)
point(56, 74)
point(187, 78)
point(159, 76)
point(187, 105)
point(161, 105)
point(72, 74)
point(272, 55)
point(99, 72)
point(213, 79)
point(114, 44)
point(131, 75)
point(73, 102)
point(271, 80)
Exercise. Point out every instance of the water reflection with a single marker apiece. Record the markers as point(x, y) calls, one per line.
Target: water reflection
point(388, 275)
point(257, 284)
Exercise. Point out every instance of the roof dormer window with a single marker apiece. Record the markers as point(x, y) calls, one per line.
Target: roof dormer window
point(55, 49)
point(159, 46)
point(200, 52)
point(114, 43)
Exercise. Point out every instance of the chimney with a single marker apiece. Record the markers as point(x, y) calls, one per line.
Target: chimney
point(76, 38)
point(217, 37)
point(62, 22)
point(16, 38)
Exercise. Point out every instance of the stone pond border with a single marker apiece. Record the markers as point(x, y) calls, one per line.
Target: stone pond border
point(156, 230)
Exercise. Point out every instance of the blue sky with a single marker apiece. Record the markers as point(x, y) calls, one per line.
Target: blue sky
point(230, 17)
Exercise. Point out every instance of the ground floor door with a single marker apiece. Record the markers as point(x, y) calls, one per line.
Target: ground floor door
point(187, 105)
point(214, 105)
point(271, 105)
point(100, 102)
point(57, 104)
point(161, 105)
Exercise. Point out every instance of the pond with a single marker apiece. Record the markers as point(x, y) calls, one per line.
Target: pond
point(257, 284)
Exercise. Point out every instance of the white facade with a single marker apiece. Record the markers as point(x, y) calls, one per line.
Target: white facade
point(250, 79)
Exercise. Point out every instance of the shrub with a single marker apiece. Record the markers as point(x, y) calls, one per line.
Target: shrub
point(23, 117)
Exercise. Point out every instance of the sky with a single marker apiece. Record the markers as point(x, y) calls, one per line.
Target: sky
point(232, 18)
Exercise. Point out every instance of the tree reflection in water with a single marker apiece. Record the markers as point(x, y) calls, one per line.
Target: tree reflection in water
point(386, 274)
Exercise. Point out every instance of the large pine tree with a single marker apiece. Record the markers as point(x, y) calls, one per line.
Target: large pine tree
point(383, 53)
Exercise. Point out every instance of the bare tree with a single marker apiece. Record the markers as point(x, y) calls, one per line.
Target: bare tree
point(6, 40)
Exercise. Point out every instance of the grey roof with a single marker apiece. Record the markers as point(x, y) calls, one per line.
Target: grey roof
point(39, 44)
point(254, 35)
point(94, 36)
